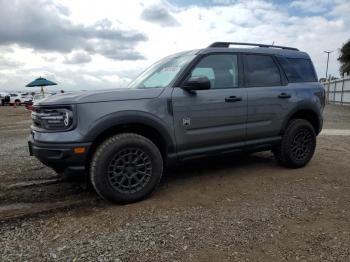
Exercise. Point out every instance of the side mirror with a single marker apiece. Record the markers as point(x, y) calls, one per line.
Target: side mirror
point(197, 83)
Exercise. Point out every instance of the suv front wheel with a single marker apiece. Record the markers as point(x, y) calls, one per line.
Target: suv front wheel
point(298, 144)
point(126, 168)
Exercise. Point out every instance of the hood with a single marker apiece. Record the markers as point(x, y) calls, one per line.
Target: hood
point(100, 96)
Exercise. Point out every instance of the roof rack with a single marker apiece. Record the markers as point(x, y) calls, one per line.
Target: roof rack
point(227, 44)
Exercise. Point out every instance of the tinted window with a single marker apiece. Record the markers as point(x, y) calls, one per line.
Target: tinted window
point(261, 70)
point(221, 70)
point(298, 69)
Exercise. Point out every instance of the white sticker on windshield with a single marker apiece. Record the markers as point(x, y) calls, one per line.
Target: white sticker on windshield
point(170, 69)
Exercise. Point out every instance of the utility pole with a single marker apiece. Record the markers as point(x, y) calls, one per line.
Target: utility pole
point(327, 52)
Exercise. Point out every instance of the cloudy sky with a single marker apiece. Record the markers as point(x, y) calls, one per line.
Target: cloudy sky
point(105, 43)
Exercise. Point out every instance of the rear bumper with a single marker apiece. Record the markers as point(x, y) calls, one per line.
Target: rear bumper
point(59, 156)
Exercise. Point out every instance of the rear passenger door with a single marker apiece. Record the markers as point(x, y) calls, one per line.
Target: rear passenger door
point(270, 99)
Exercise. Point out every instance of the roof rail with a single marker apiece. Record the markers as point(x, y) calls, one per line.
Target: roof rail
point(227, 44)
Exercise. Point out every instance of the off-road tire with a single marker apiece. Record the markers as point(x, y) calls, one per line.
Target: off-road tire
point(287, 152)
point(105, 157)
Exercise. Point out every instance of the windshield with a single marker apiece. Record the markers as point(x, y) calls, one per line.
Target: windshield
point(162, 73)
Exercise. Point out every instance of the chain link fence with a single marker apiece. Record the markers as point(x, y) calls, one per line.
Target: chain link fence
point(338, 91)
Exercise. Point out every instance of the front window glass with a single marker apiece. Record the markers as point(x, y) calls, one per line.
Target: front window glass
point(162, 73)
point(221, 69)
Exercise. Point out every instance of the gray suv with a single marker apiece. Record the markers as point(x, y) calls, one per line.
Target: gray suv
point(204, 102)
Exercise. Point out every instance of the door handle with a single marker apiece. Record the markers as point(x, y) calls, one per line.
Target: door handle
point(233, 99)
point(284, 95)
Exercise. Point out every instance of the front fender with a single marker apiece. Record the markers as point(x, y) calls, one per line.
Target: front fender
point(130, 117)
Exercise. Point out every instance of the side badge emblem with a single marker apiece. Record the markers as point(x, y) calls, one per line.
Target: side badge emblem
point(186, 121)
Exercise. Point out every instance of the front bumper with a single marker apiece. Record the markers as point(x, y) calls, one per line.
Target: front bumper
point(59, 156)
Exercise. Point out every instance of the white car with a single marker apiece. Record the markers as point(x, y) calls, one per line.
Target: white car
point(25, 98)
point(18, 98)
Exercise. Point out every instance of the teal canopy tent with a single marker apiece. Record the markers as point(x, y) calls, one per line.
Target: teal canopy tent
point(41, 82)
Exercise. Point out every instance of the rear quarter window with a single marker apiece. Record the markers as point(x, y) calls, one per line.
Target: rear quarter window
point(298, 69)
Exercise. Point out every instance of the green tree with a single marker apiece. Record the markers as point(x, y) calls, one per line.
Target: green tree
point(344, 58)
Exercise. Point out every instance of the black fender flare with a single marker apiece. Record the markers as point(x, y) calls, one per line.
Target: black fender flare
point(302, 107)
point(132, 117)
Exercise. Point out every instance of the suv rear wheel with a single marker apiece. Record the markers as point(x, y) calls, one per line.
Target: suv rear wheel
point(298, 144)
point(126, 168)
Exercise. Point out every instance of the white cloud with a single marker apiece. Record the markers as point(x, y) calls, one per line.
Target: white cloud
point(198, 26)
point(91, 78)
point(78, 58)
point(159, 14)
point(312, 6)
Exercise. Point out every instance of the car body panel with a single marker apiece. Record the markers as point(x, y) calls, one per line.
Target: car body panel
point(96, 96)
point(210, 120)
point(266, 111)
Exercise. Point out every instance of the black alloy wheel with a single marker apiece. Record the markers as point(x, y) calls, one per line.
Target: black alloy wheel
point(302, 144)
point(126, 168)
point(298, 144)
point(130, 170)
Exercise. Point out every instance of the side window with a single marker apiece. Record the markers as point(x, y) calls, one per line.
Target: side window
point(261, 70)
point(298, 69)
point(221, 69)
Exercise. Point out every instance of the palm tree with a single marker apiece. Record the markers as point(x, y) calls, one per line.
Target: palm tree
point(344, 58)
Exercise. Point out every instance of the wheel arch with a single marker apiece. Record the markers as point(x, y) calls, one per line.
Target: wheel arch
point(134, 122)
point(306, 113)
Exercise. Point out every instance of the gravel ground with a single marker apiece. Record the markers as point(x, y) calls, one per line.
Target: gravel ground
point(230, 209)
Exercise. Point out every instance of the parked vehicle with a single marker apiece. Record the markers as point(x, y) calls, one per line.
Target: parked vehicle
point(26, 98)
point(192, 104)
point(15, 99)
point(19, 98)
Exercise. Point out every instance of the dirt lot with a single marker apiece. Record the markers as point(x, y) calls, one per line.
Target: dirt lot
point(232, 209)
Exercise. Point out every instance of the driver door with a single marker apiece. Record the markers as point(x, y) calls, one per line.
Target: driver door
point(213, 119)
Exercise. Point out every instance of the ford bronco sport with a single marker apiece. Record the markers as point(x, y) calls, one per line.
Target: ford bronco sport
point(197, 103)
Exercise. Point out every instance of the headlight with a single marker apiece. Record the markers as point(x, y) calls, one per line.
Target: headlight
point(53, 118)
